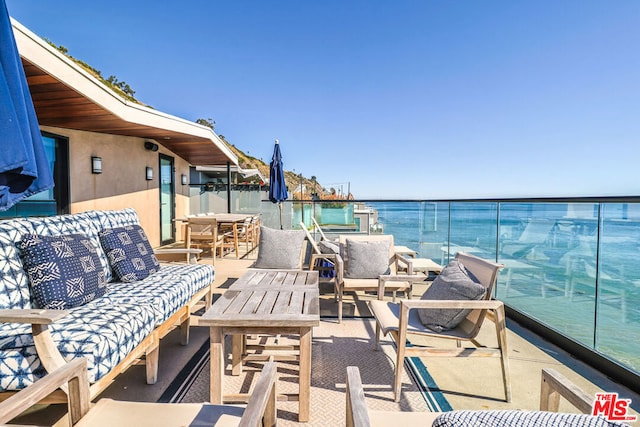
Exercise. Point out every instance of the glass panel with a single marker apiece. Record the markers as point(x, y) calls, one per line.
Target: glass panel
point(473, 230)
point(618, 317)
point(571, 266)
point(420, 226)
point(549, 252)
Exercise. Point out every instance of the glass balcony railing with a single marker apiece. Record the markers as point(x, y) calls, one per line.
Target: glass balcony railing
point(572, 266)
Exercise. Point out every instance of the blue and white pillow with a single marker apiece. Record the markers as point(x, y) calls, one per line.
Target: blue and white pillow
point(506, 418)
point(129, 252)
point(63, 271)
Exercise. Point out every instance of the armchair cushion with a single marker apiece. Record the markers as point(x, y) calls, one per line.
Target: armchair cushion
point(280, 248)
point(367, 259)
point(455, 282)
point(64, 271)
point(468, 418)
point(327, 247)
point(129, 252)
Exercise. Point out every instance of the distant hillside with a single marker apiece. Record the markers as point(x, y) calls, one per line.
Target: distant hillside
point(293, 180)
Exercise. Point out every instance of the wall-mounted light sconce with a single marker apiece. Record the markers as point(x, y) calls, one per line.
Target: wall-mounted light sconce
point(96, 164)
point(149, 173)
point(151, 146)
point(183, 179)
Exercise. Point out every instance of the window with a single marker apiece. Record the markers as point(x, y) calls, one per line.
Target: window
point(56, 200)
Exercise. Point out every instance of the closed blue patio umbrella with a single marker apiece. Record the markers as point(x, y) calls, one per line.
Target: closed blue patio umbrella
point(24, 168)
point(277, 184)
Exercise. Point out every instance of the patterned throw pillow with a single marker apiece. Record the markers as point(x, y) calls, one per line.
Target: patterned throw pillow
point(64, 271)
point(129, 253)
point(367, 259)
point(454, 282)
point(504, 418)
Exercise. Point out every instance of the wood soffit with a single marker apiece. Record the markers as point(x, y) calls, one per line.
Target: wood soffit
point(59, 105)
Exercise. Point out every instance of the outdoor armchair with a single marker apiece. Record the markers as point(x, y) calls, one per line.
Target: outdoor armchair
point(403, 319)
point(369, 263)
point(320, 261)
point(260, 409)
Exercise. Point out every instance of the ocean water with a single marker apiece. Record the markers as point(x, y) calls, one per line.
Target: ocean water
point(427, 227)
point(580, 277)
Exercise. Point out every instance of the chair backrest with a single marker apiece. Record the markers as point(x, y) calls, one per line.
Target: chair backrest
point(487, 274)
point(312, 241)
point(322, 235)
point(199, 228)
point(344, 253)
point(245, 227)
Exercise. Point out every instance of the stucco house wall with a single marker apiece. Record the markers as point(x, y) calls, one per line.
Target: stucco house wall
point(122, 183)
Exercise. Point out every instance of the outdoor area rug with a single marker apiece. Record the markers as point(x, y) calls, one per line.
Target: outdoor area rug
point(335, 346)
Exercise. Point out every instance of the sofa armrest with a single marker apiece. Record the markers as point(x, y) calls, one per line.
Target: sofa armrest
point(40, 320)
point(34, 316)
point(71, 376)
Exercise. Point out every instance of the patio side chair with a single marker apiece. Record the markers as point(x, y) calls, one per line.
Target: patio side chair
point(202, 233)
point(402, 320)
point(260, 409)
point(245, 233)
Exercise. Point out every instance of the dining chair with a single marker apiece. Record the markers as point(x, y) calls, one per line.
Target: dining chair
point(202, 233)
point(243, 233)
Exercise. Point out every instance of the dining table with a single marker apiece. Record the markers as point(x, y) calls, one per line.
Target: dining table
point(227, 221)
point(267, 302)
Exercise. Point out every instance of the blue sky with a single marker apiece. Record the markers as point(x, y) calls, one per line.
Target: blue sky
point(404, 99)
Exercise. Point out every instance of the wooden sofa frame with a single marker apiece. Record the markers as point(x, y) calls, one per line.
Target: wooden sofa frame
point(260, 409)
point(51, 358)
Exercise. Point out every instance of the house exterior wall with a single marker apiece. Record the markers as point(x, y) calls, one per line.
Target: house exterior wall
point(122, 183)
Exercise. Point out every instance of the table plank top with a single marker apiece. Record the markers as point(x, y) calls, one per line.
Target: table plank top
point(294, 307)
point(271, 279)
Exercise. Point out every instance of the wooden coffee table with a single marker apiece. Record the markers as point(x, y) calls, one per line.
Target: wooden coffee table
point(264, 307)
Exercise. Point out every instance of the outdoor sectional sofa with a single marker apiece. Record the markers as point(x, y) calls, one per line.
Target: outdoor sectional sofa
point(112, 330)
